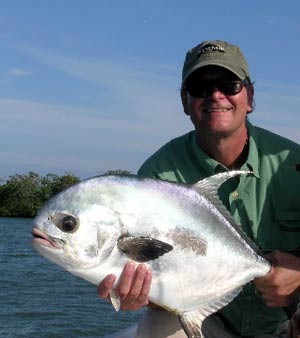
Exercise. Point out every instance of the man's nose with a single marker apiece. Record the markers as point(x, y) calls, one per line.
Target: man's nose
point(214, 93)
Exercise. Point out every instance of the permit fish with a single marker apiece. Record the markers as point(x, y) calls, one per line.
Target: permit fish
point(199, 257)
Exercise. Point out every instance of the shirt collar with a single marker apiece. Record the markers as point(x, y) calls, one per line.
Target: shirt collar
point(209, 165)
point(212, 167)
point(252, 162)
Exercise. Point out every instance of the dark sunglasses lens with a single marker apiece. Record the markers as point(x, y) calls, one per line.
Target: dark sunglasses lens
point(203, 89)
point(231, 87)
point(198, 91)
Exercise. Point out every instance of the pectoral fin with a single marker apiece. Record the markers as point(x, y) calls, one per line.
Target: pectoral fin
point(143, 249)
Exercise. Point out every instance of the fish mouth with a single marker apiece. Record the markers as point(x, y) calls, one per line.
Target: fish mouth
point(41, 238)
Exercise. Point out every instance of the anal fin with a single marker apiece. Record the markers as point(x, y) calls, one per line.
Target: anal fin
point(191, 323)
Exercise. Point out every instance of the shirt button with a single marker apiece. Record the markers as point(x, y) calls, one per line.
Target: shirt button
point(235, 195)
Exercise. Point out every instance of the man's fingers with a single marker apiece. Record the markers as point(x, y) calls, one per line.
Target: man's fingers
point(105, 286)
point(132, 288)
point(125, 281)
point(133, 299)
point(143, 297)
point(138, 281)
point(146, 285)
point(274, 298)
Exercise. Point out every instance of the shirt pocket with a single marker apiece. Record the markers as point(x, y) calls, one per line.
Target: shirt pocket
point(287, 225)
point(282, 233)
point(288, 221)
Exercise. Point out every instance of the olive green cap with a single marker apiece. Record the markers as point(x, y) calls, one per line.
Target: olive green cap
point(215, 53)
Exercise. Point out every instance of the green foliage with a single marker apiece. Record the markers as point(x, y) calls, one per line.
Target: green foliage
point(117, 172)
point(52, 184)
point(23, 195)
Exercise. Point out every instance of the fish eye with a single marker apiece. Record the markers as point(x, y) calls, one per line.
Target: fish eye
point(68, 224)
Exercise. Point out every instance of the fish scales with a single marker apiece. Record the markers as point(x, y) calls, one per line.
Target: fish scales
point(198, 256)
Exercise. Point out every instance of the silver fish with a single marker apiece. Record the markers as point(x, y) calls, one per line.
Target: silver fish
point(198, 256)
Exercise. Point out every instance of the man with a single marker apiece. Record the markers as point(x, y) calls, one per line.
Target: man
point(217, 95)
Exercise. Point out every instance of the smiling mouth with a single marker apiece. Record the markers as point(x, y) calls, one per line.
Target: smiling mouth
point(41, 238)
point(216, 110)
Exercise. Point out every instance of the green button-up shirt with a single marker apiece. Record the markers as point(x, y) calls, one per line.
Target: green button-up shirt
point(266, 204)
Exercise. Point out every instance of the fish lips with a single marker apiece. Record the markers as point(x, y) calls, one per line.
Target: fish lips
point(42, 239)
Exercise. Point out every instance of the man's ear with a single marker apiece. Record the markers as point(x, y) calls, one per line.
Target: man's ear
point(250, 97)
point(184, 100)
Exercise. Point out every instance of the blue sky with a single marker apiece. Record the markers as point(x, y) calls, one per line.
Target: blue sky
point(93, 85)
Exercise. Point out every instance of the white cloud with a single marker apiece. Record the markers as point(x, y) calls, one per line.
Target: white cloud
point(137, 111)
point(18, 72)
point(130, 84)
point(89, 140)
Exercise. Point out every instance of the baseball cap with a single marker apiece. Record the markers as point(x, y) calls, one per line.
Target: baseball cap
point(215, 53)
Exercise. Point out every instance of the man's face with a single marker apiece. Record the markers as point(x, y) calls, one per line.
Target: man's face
point(216, 112)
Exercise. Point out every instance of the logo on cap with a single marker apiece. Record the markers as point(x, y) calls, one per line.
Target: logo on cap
point(211, 49)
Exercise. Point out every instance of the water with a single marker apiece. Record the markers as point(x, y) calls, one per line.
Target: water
point(38, 299)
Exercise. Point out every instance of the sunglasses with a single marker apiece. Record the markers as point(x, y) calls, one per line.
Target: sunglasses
point(204, 88)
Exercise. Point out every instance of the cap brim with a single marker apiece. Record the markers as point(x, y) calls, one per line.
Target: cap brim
point(214, 63)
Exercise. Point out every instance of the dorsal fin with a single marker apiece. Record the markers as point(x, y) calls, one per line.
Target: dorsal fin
point(210, 185)
point(208, 188)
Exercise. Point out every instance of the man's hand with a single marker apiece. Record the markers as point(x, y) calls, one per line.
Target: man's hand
point(132, 289)
point(278, 287)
